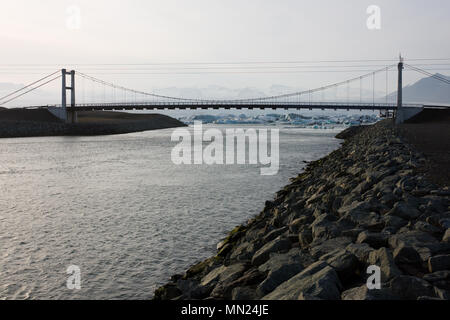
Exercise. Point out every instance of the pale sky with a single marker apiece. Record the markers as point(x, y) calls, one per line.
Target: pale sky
point(38, 33)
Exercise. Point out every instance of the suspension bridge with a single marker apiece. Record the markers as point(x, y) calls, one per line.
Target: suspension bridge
point(123, 98)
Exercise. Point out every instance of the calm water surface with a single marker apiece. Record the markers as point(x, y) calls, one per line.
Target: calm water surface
point(119, 209)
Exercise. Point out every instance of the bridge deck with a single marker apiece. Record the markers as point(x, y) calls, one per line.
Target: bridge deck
point(238, 106)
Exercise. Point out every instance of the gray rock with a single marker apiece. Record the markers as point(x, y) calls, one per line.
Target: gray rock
point(388, 199)
point(274, 234)
point(277, 277)
point(446, 237)
point(383, 258)
point(168, 292)
point(407, 183)
point(296, 225)
point(439, 263)
point(438, 277)
point(375, 240)
point(321, 248)
point(423, 298)
point(322, 225)
point(362, 187)
point(223, 289)
point(305, 238)
point(352, 233)
point(244, 251)
point(277, 260)
point(411, 288)
point(318, 280)
point(356, 207)
point(366, 220)
point(360, 250)
point(406, 255)
point(445, 223)
point(423, 242)
point(306, 297)
point(436, 204)
point(263, 254)
point(243, 293)
point(363, 293)
point(393, 222)
point(442, 294)
point(343, 262)
point(192, 289)
point(403, 210)
point(223, 273)
point(426, 227)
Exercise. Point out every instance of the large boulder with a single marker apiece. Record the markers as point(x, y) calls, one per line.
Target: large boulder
point(277, 245)
point(223, 289)
point(383, 259)
point(375, 240)
point(439, 263)
point(411, 288)
point(364, 293)
point(243, 293)
point(343, 262)
point(277, 260)
point(423, 242)
point(446, 237)
point(404, 255)
point(323, 226)
point(320, 248)
point(277, 277)
point(439, 279)
point(318, 280)
point(223, 273)
point(360, 250)
point(403, 210)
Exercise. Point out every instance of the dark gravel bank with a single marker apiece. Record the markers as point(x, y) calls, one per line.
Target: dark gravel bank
point(35, 123)
point(366, 204)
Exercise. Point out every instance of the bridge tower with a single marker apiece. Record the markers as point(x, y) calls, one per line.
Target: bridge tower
point(399, 112)
point(400, 84)
point(71, 116)
point(402, 114)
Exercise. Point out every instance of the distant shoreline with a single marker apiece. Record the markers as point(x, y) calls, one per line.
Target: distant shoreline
point(16, 123)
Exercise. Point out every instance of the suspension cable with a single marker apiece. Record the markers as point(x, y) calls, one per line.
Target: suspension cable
point(435, 76)
point(310, 92)
point(31, 84)
point(24, 93)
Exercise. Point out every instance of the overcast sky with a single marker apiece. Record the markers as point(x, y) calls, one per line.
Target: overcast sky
point(175, 31)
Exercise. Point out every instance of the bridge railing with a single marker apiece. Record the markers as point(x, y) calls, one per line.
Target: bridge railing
point(243, 103)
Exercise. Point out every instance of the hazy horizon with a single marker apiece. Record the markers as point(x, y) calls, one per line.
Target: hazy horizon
point(158, 45)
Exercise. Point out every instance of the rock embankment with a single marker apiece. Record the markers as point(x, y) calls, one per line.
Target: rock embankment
point(362, 205)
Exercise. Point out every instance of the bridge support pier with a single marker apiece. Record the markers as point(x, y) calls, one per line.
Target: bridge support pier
point(70, 115)
point(402, 113)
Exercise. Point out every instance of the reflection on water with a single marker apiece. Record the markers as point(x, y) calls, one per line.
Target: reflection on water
point(119, 209)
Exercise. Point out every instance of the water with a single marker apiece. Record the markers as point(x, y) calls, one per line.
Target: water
point(119, 209)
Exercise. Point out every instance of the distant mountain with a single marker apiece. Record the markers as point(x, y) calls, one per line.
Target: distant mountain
point(220, 92)
point(426, 90)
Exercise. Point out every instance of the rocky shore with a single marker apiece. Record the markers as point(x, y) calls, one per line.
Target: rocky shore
point(366, 204)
